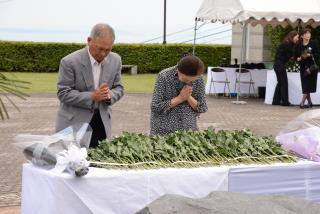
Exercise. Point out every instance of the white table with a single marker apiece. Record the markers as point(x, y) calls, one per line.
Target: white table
point(119, 191)
point(294, 88)
point(259, 77)
point(104, 191)
point(298, 180)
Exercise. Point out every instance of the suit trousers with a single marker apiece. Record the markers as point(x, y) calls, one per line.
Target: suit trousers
point(98, 131)
point(281, 91)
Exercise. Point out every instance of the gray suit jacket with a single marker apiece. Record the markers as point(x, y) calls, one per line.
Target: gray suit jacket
point(75, 85)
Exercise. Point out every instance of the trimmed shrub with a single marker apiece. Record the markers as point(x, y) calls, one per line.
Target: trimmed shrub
point(150, 58)
point(34, 56)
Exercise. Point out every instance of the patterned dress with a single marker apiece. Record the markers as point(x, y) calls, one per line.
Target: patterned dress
point(165, 120)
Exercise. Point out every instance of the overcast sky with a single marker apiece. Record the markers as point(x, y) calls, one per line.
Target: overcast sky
point(134, 21)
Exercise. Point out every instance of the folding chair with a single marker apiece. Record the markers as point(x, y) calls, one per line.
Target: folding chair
point(223, 79)
point(241, 74)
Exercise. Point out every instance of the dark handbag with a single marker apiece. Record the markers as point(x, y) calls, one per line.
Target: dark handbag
point(314, 68)
point(307, 72)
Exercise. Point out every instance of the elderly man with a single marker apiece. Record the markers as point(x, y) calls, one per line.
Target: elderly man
point(89, 83)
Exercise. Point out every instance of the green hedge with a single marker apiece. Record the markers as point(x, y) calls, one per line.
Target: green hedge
point(45, 57)
point(32, 56)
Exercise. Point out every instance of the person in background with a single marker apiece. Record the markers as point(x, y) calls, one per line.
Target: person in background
point(178, 97)
point(307, 52)
point(284, 53)
point(89, 83)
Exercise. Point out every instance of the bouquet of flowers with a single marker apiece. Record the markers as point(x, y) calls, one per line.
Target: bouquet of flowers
point(63, 151)
point(306, 53)
point(292, 66)
point(302, 136)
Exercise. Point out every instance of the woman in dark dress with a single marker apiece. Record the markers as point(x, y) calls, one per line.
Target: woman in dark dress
point(307, 49)
point(284, 53)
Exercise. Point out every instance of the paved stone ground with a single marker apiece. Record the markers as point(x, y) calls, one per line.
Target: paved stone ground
point(131, 114)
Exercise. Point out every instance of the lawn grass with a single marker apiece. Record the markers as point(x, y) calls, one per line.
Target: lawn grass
point(40, 82)
point(141, 83)
point(47, 82)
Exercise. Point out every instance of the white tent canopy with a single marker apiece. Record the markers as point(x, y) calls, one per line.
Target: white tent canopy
point(274, 12)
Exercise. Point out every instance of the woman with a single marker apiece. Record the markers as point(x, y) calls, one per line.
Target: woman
point(284, 53)
point(179, 97)
point(307, 51)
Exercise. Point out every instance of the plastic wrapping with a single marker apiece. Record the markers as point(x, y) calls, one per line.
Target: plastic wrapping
point(302, 135)
point(65, 150)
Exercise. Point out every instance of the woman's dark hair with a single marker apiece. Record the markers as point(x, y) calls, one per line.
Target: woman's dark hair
point(290, 36)
point(304, 31)
point(191, 66)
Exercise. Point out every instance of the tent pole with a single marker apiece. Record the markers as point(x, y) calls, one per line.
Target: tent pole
point(299, 25)
point(242, 54)
point(246, 56)
point(194, 38)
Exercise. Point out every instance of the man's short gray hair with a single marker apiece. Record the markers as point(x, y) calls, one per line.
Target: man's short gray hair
point(102, 30)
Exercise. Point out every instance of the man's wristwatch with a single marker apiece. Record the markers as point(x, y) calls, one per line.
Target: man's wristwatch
point(108, 101)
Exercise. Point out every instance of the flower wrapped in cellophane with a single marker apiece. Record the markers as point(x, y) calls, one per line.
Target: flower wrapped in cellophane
point(63, 151)
point(302, 135)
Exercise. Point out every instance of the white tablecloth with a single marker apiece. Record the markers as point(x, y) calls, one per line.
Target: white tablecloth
point(299, 180)
point(294, 88)
point(259, 77)
point(118, 191)
point(105, 191)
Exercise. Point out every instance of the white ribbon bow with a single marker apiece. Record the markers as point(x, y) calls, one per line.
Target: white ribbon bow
point(72, 160)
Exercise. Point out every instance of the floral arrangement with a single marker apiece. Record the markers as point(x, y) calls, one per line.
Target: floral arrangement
point(306, 52)
point(292, 66)
point(302, 135)
point(63, 151)
point(187, 149)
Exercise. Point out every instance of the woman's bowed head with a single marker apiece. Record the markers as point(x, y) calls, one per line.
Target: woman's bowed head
point(189, 69)
point(292, 37)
